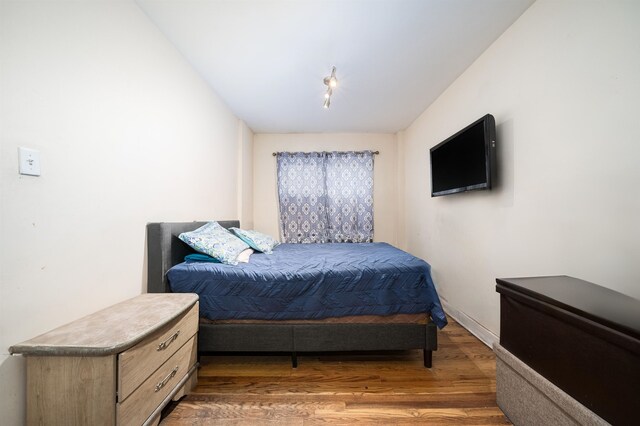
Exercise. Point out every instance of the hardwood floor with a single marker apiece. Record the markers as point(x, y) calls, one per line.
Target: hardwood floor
point(380, 388)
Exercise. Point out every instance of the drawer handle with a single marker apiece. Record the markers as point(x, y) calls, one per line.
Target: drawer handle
point(166, 379)
point(164, 345)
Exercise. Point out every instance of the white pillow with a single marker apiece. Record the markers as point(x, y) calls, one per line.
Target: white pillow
point(244, 256)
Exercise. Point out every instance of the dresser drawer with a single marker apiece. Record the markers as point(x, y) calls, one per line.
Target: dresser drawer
point(136, 364)
point(150, 394)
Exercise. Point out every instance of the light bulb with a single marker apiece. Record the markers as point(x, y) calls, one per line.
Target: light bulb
point(331, 82)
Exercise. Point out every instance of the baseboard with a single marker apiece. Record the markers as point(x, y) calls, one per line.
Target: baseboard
point(474, 327)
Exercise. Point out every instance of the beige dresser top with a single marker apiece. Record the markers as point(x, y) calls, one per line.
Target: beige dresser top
point(110, 330)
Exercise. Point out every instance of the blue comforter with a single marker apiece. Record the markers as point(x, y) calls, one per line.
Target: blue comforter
point(313, 281)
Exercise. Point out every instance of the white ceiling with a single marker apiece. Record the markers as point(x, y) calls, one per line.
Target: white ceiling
point(267, 58)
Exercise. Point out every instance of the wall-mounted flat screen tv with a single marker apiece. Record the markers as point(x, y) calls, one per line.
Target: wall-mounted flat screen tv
point(466, 160)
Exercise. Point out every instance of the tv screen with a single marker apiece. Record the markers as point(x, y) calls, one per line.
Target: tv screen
point(465, 161)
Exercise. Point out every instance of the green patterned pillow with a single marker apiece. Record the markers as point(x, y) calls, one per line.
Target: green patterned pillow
point(214, 240)
point(257, 240)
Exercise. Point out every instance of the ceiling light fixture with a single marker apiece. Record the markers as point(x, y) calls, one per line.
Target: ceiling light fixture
point(331, 82)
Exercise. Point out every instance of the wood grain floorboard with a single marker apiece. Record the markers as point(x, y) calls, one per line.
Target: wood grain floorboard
point(348, 388)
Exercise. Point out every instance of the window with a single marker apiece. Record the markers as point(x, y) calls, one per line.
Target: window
point(325, 197)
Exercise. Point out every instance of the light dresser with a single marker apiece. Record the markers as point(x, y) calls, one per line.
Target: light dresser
point(120, 365)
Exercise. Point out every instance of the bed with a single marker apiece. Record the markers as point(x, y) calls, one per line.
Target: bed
point(376, 332)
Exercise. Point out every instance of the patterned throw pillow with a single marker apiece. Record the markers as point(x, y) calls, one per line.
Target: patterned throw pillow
point(257, 240)
point(214, 240)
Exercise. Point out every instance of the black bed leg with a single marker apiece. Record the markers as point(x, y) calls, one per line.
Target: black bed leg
point(294, 360)
point(427, 358)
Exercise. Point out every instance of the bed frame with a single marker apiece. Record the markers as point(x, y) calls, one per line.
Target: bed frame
point(165, 250)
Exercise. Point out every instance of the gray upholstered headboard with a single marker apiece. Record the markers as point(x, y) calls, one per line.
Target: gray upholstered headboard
point(165, 249)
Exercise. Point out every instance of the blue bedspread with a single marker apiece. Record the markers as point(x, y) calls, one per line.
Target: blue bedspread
point(313, 281)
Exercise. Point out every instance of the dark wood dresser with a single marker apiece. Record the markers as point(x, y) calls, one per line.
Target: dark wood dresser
point(583, 338)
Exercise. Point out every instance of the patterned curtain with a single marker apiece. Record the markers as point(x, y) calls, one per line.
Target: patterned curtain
point(325, 197)
point(350, 196)
point(302, 195)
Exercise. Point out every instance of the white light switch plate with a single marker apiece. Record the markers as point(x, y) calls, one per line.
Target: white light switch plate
point(29, 161)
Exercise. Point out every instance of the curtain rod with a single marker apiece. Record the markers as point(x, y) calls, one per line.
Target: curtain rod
point(374, 153)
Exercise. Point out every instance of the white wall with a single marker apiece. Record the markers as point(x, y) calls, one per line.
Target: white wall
point(563, 84)
point(265, 200)
point(128, 133)
point(401, 202)
point(245, 177)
